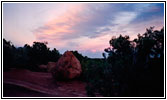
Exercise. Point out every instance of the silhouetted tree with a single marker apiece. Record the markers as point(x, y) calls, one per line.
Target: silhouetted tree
point(138, 64)
point(27, 56)
point(120, 57)
point(54, 55)
point(149, 66)
point(79, 56)
point(8, 54)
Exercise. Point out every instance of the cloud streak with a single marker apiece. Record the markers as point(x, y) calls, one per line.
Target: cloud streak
point(89, 27)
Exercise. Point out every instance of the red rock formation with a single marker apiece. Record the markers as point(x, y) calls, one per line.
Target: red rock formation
point(42, 66)
point(50, 66)
point(68, 67)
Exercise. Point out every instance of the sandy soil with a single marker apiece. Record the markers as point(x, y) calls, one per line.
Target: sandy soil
point(21, 82)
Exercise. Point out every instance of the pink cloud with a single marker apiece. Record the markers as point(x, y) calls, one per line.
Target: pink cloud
point(62, 32)
point(72, 30)
point(55, 30)
point(97, 44)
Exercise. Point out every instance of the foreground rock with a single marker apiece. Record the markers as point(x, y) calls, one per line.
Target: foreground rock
point(67, 67)
point(51, 66)
point(48, 67)
point(43, 67)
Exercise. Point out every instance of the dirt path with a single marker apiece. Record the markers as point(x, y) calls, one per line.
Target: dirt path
point(41, 84)
point(10, 90)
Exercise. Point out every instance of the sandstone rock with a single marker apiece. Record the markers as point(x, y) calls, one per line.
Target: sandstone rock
point(50, 66)
point(42, 66)
point(68, 67)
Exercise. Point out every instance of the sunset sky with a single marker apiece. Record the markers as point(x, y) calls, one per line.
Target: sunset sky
point(85, 27)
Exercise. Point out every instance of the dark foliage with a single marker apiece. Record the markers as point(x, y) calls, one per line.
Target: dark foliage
point(132, 68)
point(79, 56)
point(8, 54)
point(99, 78)
point(27, 56)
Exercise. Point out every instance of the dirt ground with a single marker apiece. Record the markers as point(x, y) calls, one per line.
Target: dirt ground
point(24, 83)
point(10, 90)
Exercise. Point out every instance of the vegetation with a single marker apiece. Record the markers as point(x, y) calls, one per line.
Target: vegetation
point(79, 56)
point(129, 67)
point(133, 68)
point(28, 56)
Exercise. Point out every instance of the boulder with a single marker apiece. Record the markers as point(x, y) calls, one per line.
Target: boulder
point(67, 67)
point(42, 67)
point(50, 66)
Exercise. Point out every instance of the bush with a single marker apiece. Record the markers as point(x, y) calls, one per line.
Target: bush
point(132, 68)
point(29, 57)
point(99, 78)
